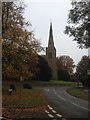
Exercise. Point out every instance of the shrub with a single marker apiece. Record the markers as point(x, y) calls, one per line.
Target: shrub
point(27, 86)
point(12, 86)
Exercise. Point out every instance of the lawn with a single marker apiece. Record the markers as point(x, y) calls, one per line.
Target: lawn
point(23, 103)
point(54, 82)
point(61, 82)
point(22, 98)
point(26, 98)
point(82, 93)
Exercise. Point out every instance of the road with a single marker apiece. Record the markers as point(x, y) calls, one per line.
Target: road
point(65, 104)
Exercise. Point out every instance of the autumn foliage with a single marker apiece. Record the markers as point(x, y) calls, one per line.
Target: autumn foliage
point(19, 46)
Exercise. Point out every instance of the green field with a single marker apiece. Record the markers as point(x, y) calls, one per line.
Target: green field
point(82, 93)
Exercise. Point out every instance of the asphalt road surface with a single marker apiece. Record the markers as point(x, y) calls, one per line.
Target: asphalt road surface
point(65, 104)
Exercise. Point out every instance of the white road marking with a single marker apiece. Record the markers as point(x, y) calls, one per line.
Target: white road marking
point(71, 102)
point(46, 111)
point(50, 107)
point(50, 115)
point(61, 98)
point(59, 115)
point(80, 106)
point(54, 111)
point(59, 95)
point(46, 89)
point(54, 91)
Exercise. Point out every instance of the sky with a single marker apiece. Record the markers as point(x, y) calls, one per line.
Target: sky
point(40, 13)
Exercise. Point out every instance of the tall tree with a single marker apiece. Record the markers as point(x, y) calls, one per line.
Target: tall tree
point(66, 62)
point(44, 73)
point(19, 45)
point(79, 23)
point(82, 69)
point(65, 66)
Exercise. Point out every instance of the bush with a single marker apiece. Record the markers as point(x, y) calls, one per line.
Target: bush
point(12, 86)
point(27, 86)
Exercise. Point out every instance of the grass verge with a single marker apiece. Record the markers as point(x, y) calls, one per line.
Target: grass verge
point(23, 103)
point(61, 82)
point(80, 93)
point(28, 97)
point(23, 98)
point(54, 82)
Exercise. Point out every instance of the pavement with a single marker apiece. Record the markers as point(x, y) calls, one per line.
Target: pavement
point(65, 105)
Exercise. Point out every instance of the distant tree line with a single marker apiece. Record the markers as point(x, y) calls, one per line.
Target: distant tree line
point(20, 47)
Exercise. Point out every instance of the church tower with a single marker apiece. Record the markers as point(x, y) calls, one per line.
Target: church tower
point(51, 54)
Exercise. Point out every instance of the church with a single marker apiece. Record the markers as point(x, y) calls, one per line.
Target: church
point(51, 54)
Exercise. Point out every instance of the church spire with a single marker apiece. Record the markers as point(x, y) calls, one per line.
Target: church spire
point(51, 34)
point(51, 42)
point(51, 54)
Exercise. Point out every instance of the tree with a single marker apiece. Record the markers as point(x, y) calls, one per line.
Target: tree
point(66, 62)
point(19, 45)
point(82, 69)
point(65, 66)
point(44, 73)
point(63, 75)
point(79, 23)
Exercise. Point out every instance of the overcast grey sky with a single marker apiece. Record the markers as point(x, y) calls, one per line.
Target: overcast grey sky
point(41, 13)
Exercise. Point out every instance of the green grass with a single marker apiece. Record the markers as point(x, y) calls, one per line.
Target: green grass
point(60, 82)
point(53, 82)
point(80, 93)
point(27, 97)
point(22, 98)
point(42, 83)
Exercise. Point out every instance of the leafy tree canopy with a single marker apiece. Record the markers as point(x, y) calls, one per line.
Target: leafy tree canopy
point(79, 23)
point(66, 63)
point(82, 69)
point(44, 69)
point(19, 45)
